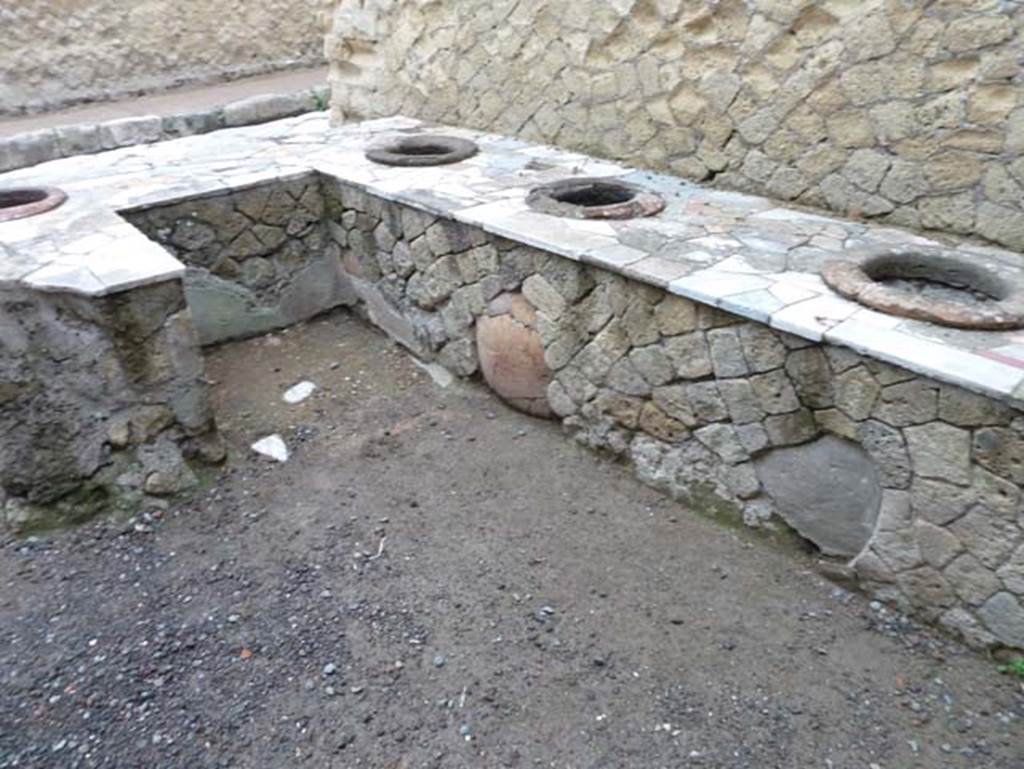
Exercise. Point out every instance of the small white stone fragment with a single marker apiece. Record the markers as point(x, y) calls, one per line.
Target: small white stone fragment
point(442, 377)
point(272, 446)
point(299, 392)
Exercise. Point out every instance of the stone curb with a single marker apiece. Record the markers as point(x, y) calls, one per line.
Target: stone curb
point(34, 147)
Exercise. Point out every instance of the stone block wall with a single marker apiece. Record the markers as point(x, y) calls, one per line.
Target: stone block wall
point(102, 402)
point(904, 111)
point(56, 53)
point(911, 486)
point(257, 259)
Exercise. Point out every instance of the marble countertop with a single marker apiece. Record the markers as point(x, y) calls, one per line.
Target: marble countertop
point(748, 255)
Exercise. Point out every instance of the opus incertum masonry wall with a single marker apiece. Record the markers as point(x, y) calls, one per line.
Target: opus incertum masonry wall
point(906, 112)
point(55, 54)
point(913, 480)
point(700, 345)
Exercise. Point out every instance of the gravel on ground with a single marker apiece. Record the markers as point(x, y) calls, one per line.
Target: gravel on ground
point(434, 580)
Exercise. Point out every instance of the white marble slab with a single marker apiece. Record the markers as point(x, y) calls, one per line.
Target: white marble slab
point(745, 254)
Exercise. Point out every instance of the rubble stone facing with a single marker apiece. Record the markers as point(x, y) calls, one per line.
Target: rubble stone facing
point(905, 112)
point(257, 259)
point(103, 401)
point(695, 398)
point(55, 54)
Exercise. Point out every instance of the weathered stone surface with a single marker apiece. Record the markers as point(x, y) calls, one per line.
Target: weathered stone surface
point(869, 567)
point(964, 624)
point(726, 353)
point(691, 355)
point(624, 377)
point(675, 402)
point(969, 34)
point(544, 297)
point(988, 536)
point(96, 375)
point(1001, 450)
point(660, 425)
point(872, 115)
point(263, 108)
point(435, 284)
point(706, 401)
point(971, 580)
point(809, 371)
point(638, 321)
point(775, 393)
point(753, 437)
point(653, 364)
point(790, 429)
point(936, 545)
point(722, 439)
point(28, 149)
point(940, 451)
point(908, 403)
point(166, 471)
point(897, 549)
point(741, 400)
point(460, 357)
point(957, 407)
point(762, 349)
point(124, 132)
point(856, 391)
point(837, 505)
point(940, 502)
point(79, 139)
point(675, 315)
point(836, 422)
point(264, 278)
point(1004, 616)
point(896, 511)
point(1012, 572)
point(72, 57)
point(1001, 224)
point(926, 588)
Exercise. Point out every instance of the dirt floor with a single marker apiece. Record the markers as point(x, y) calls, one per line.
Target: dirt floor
point(433, 580)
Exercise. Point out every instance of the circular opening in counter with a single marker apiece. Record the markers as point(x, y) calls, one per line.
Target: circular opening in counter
point(930, 284)
point(585, 198)
point(426, 150)
point(21, 202)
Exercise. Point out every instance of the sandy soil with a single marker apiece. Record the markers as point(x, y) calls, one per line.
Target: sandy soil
point(433, 580)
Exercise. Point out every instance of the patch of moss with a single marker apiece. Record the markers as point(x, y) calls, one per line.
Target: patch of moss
point(706, 502)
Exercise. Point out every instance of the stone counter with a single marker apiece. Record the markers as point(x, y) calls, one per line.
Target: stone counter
point(700, 345)
point(102, 402)
point(911, 484)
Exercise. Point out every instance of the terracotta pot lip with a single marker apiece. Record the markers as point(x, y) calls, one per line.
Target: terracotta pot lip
point(635, 201)
point(857, 278)
point(423, 150)
point(22, 202)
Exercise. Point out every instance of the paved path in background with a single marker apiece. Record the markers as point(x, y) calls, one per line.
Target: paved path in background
point(185, 99)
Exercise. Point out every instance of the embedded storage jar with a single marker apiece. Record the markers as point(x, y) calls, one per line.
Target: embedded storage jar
point(932, 284)
point(423, 150)
point(590, 198)
point(21, 202)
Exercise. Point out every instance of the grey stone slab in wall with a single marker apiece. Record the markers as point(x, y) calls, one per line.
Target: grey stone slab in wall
point(828, 490)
